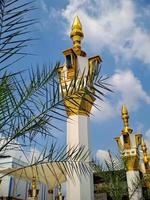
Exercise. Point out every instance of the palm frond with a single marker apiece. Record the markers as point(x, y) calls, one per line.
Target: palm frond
point(33, 105)
point(50, 161)
point(14, 30)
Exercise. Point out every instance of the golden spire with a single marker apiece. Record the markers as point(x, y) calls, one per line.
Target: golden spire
point(125, 118)
point(77, 35)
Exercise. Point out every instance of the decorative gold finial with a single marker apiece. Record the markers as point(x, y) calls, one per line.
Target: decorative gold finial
point(125, 118)
point(77, 35)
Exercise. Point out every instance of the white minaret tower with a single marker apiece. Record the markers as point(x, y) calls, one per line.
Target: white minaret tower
point(128, 144)
point(77, 64)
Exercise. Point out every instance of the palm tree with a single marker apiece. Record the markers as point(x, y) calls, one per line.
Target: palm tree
point(113, 173)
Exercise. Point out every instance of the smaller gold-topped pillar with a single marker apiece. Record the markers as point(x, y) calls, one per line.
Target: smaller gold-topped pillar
point(33, 193)
point(60, 196)
point(128, 144)
point(77, 35)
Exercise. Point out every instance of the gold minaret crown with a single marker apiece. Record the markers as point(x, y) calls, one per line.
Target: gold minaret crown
point(125, 118)
point(77, 35)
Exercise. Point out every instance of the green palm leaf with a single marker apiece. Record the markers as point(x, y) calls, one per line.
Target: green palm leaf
point(14, 30)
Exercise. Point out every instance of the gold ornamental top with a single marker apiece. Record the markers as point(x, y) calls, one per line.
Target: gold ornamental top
point(77, 35)
point(125, 118)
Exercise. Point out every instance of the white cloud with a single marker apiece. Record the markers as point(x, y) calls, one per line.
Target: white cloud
point(53, 14)
point(127, 90)
point(49, 16)
point(44, 6)
point(112, 24)
point(102, 155)
point(104, 111)
point(130, 89)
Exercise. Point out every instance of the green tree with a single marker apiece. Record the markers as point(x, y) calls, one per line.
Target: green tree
point(113, 173)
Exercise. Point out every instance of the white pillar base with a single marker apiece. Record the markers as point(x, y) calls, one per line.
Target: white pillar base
point(79, 188)
point(134, 189)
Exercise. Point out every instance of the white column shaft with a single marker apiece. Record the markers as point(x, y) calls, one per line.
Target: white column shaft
point(78, 134)
point(134, 188)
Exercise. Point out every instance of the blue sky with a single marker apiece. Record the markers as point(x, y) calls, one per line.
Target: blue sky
point(118, 31)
